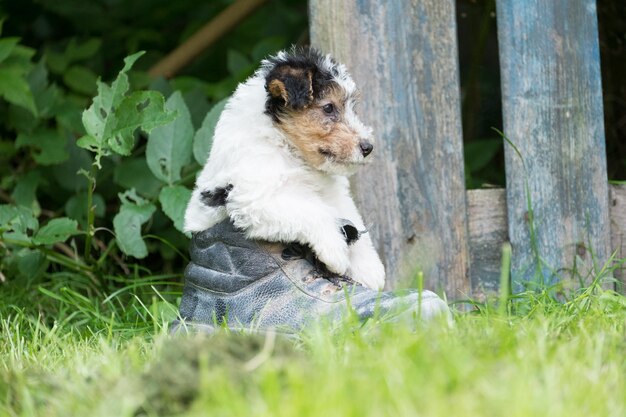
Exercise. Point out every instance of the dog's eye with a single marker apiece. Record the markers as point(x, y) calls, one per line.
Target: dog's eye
point(329, 108)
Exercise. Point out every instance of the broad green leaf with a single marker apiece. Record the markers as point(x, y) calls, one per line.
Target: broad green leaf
point(141, 110)
point(21, 120)
point(17, 218)
point(99, 119)
point(174, 201)
point(96, 117)
point(88, 142)
point(7, 214)
point(31, 263)
point(169, 146)
point(75, 51)
point(21, 56)
point(161, 85)
point(237, 62)
point(221, 89)
point(134, 173)
point(204, 136)
point(66, 173)
point(57, 62)
point(38, 77)
point(49, 145)
point(69, 115)
point(198, 104)
point(119, 87)
point(46, 96)
point(6, 47)
point(127, 226)
point(16, 237)
point(134, 212)
point(81, 79)
point(15, 89)
point(25, 191)
point(186, 84)
point(76, 207)
point(78, 51)
point(57, 230)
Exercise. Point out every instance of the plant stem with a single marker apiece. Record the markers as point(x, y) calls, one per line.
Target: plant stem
point(91, 179)
point(505, 281)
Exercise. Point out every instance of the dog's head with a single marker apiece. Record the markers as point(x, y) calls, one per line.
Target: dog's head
point(311, 99)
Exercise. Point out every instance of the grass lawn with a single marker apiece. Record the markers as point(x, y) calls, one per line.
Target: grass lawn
point(106, 358)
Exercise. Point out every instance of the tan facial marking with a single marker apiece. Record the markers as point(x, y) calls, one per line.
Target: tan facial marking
point(316, 135)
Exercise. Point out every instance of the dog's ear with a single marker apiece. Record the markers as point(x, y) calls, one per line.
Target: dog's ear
point(290, 85)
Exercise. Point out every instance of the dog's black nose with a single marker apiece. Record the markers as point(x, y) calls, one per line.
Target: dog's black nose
point(366, 147)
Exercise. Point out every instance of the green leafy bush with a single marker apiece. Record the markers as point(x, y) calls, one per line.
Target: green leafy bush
point(97, 160)
point(131, 168)
point(154, 180)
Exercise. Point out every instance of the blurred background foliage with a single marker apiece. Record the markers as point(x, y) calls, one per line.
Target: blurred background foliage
point(51, 55)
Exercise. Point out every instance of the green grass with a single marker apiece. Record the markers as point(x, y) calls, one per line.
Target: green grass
point(111, 356)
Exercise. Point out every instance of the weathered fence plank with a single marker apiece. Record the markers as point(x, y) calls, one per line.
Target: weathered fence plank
point(552, 109)
point(488, 232)
point(403, 56)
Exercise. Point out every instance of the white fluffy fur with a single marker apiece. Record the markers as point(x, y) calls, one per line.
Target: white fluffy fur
point(275, 195)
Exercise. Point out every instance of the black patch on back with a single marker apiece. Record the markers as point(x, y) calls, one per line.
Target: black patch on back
point(216, 197)
point(297, 83)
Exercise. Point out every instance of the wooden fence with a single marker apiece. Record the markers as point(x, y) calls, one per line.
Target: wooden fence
point(558, 212)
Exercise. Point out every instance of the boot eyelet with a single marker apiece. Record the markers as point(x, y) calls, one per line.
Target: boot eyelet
point(329, 289)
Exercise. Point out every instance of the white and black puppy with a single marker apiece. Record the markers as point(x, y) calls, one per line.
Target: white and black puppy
point(283, 148)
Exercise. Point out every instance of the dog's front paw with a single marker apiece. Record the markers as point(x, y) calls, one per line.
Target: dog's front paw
point(334, 254)
point(368, 271)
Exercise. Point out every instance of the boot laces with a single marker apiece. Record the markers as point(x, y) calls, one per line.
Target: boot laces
point(299, 251)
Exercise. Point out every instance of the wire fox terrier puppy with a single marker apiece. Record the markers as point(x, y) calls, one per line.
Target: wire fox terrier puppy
point(283, 148)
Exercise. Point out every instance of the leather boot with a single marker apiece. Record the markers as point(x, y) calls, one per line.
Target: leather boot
point(245, 284)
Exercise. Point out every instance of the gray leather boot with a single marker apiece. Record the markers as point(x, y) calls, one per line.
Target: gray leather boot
point(252, 285)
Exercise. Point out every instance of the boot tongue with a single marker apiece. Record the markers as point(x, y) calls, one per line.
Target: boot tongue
point(298, 251)
point(293, 251)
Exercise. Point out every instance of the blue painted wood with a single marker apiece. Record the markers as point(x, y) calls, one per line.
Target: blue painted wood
point(552, 107)
point(403, 56)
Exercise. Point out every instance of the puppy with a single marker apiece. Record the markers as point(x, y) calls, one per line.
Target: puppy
point(283, 148)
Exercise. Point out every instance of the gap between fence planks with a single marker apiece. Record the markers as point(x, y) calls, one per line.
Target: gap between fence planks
point(487, 222)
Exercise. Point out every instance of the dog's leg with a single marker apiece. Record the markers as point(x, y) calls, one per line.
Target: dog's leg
point(199, 215)
point(294, 215)
point(365, 264)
